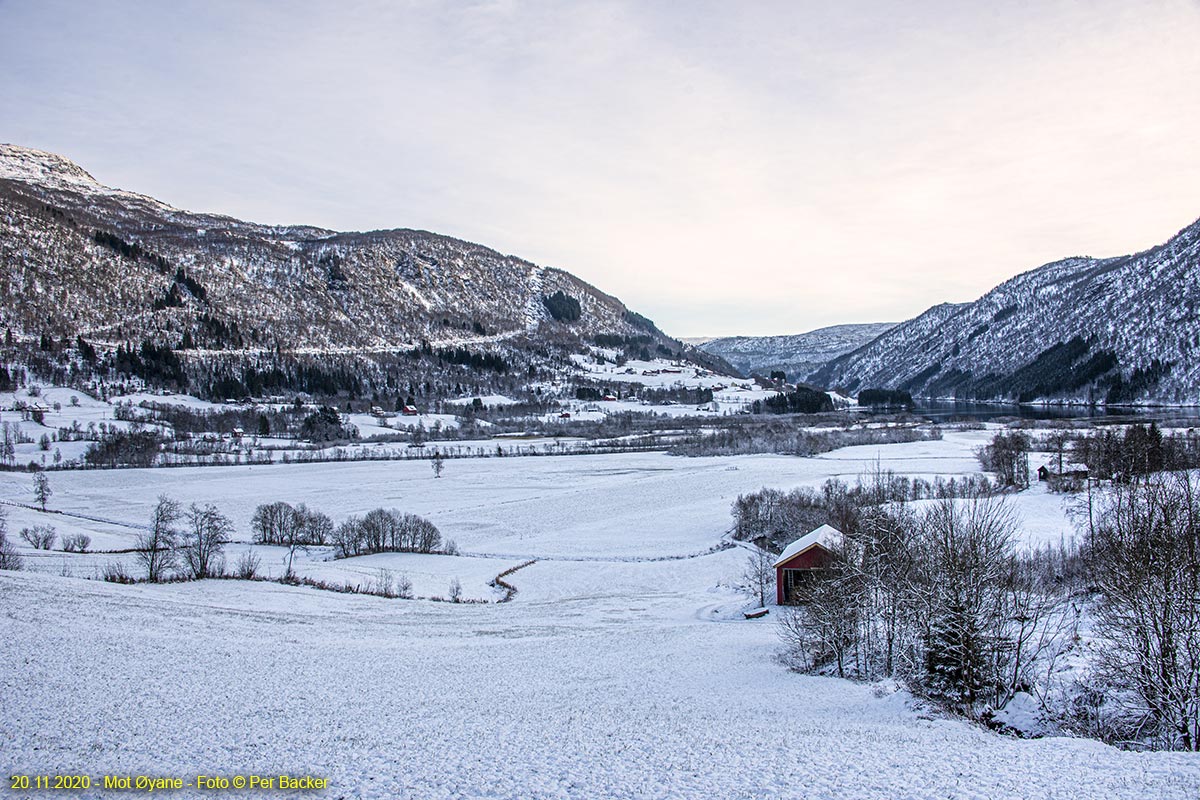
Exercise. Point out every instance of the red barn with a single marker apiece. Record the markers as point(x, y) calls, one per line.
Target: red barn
point(802, 558)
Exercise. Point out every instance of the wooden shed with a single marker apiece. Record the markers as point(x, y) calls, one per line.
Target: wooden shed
point(804, 557)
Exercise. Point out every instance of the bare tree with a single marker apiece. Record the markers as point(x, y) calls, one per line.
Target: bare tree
point(295, 539)
point(385, 583)
point(1008, 457)
point(207, 533)
point(455, 591)
point(759, 574)
point(825, 620)
point(156, 547)
point(41, 489)
point(438, 464)
point(1143, 551)
point(316, 527)
point(348, 538)
point(272, 523)
point(1058, 441)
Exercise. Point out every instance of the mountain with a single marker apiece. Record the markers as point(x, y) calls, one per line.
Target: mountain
point(797, 354)
point(1111, 330)
point(84, 260)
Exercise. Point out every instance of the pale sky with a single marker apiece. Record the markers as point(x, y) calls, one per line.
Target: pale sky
point(722, 167)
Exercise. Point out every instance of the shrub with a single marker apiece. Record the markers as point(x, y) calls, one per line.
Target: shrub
point(9, 558)
point(40, 537)
point(247, 566)
point(76, 543)
point(115, 572)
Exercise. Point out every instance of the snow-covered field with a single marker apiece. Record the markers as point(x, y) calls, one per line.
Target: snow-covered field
point(642, 505)
point(622, 668)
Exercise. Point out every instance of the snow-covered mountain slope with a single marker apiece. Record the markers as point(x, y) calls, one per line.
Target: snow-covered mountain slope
point(798, 354)
point(1115, 330)
point(80, 258)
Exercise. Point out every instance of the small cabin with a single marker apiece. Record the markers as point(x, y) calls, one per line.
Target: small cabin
point(803, 560)
point(409, 411)
point(1069, 477)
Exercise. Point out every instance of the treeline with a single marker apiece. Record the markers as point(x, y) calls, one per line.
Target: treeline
point(614, 341)
point(802, 400)
point(154, 364)
point(1074, 368)
point(1139, 450)
point(773, 518)
point(890, 398)
point(326, 425)
point(786, 438)
point(562, 307)
point(136, 447)
point(1110, 454)
point(130, 250)
point(475, 361)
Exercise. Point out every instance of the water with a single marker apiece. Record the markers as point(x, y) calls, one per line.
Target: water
point(946, 410)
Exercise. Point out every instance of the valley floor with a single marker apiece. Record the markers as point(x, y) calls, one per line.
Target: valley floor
point(608, 676)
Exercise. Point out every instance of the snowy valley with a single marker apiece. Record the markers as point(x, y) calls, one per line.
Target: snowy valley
point(428, 521)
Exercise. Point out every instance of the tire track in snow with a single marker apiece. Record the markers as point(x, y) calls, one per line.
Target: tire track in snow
point(77, 515)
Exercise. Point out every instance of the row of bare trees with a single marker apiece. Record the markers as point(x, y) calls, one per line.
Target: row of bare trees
point(772, 517)
point(386, 531)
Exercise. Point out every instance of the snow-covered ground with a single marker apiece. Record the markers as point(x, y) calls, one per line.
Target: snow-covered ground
point(580, 688)
point(622, 668)
point(730, 395)
point(634, 505)
point(488, 400)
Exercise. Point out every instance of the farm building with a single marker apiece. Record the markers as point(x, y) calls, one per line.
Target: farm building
point(1059, 476)
point(804, 557)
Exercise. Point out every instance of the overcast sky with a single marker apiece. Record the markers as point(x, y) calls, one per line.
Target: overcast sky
point(722, 167)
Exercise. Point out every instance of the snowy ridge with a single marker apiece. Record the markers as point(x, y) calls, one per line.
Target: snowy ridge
point(796, 354)
point(1015, 341)
point(295, 289)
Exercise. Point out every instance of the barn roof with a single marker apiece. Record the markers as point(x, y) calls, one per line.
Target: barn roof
point(1068, 467)
point(826, 536)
